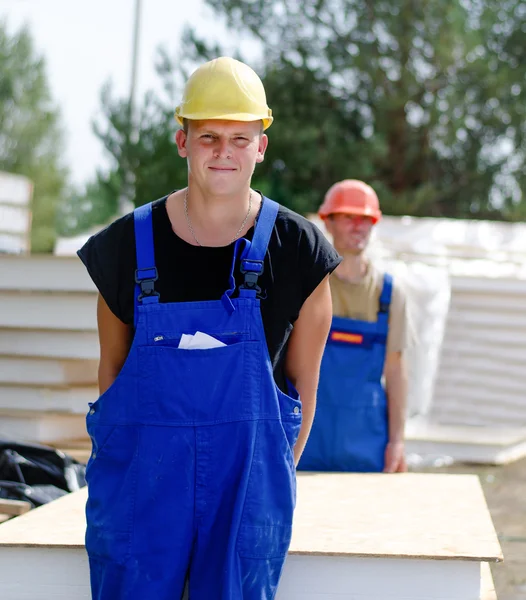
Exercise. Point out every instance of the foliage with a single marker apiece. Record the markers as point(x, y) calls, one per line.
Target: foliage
point(30, 135)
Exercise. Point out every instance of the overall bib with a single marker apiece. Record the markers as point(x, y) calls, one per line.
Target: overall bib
point(350, 430)
point(192, 472)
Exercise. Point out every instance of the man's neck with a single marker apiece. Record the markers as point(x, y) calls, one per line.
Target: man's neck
point(353, 267)
point(215, 219)
point(216, 211)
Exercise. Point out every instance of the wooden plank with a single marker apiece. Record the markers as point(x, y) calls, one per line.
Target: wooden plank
point(407, 516)
point(46, 399)
point(49, 343)
point(39, 426)
point(44, 273)
point(47, 371)
point(38, 528)
point(421, 516)
point(38, 310)
point(14, 508)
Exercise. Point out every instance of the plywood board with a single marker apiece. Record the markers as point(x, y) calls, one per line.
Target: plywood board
point(408, 516)
point(425, 516)
point(59, 524)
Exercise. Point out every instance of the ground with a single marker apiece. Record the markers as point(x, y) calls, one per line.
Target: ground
point(505, 490)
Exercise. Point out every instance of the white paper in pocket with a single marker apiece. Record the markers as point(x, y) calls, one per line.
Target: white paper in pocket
point(185, 340)
point(199, 341)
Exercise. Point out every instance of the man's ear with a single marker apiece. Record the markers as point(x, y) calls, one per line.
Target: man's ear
point(181, 139)
point(262, 148)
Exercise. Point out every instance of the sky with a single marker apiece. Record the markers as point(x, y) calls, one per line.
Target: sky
point(87, 42)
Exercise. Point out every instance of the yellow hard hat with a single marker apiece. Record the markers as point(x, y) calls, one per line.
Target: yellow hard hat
point(224, 88)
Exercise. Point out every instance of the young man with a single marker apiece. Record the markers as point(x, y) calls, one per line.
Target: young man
point(192, 473)
point(360, 417)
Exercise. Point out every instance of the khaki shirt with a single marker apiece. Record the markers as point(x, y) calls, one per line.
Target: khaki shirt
point(361, 301)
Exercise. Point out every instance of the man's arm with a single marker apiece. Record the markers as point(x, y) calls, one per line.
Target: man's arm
point(395, 373)
point(304, 354)
point(115, 340)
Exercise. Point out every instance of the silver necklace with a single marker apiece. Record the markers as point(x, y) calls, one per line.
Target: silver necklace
point(189, 223)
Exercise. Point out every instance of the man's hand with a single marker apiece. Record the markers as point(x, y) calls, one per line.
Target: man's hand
point(396, 388)
point(395, 458)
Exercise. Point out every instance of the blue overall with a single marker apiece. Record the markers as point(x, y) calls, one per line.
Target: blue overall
point(350, 430)
point(192, 472)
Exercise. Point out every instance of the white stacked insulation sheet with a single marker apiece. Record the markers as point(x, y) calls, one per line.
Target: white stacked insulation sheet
point(482, 376)
point(478, 375)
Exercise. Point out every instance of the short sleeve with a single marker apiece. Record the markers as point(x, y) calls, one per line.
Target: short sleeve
point(106, 257)
point(316, 256)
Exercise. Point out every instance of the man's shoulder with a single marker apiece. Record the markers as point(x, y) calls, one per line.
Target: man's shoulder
point(293, 222)
point(398, 287)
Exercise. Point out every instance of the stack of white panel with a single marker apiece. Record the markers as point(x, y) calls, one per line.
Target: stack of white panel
point(481, 379)
point(482, 374)
point(48, 347)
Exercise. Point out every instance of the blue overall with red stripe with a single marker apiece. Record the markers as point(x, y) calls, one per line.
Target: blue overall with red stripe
point(192, 473)
point(350, 429)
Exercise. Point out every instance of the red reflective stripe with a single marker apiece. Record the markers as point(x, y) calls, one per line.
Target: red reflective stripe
point(350, 338)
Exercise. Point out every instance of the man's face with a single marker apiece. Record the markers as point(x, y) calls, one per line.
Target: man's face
point(222, 155)
point(350, 233)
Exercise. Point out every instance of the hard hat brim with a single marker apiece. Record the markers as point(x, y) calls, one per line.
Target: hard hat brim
point(356, 211)
point(243, 117)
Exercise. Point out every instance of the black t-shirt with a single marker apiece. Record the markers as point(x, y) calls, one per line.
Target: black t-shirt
point(297, 260)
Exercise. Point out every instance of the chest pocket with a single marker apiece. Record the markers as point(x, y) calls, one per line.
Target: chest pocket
point(200, 387)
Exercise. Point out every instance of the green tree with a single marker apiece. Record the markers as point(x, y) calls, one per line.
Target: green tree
point(430, 95)
point(144, 163)
point(30, 135)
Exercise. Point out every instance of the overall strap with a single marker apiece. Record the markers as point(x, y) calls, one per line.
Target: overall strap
point(252, 260)
point(382, 330)
point(146, 273)
point(384, 304)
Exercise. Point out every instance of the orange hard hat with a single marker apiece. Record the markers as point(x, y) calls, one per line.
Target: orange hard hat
point(351, 197)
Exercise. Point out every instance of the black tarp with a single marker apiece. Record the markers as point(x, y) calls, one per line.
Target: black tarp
point(37, 474)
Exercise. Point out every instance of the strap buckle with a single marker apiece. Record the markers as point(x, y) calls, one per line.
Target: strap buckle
point(251, 269)
point(147, 284)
